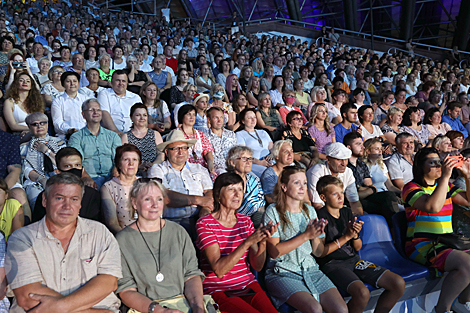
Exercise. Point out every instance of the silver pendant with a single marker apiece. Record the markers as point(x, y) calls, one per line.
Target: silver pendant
point(159, 277)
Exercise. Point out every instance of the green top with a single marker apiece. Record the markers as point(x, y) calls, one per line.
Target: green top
point(271, 119)
point(300, 258)
point(104, 76)
point(178, 261)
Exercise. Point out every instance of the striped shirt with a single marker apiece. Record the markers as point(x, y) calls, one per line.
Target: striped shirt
point(421, 224)
point(210, 232)
point(253, 198)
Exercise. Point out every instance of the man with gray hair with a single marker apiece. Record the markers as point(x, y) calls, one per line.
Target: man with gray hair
point(96, 144)
point(400, 164)
point(78, 66)
point(63, 263)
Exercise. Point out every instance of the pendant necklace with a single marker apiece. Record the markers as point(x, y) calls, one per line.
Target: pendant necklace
point(258, 138)
point(159, 276)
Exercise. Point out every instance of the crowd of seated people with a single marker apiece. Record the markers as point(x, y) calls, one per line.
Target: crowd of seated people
point(132, 145)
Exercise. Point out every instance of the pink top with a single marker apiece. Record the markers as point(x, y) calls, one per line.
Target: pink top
point(442, 129)
point(286, 110)
point(210, 232)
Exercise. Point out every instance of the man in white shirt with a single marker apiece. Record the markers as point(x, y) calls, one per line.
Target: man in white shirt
point(116, 103)
point(240, 63)
point(277, 66)
point(33, 61)
point(337, 156)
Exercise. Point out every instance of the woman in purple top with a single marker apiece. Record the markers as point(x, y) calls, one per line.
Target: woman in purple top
point(320, 128)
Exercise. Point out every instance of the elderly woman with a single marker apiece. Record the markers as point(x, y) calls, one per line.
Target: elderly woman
point(106, 72)
point(283, 154)
point(152, 270)
point(23, 98)
point(433, 120)
point(319, 95)
point(44, 65)
point(429, 200)
point(240, 160)
point(136, 78)
point(292, 275)
point(457, 139)
point(202, 151)
point(228, 242)
point(412, 124)
point(115, 193)
point(392, 127)
point(143, 137)
point(302, 143)
point(258, 140)
point(443, 145)
point(38, 156)
point(52, 89)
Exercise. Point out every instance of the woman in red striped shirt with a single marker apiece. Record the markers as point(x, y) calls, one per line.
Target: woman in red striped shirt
point(227, 239)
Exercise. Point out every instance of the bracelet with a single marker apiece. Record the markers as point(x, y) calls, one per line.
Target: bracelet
point(356, 238)
point(48, 152)
point(337, 242)
point(374, 190)
point(152, 306)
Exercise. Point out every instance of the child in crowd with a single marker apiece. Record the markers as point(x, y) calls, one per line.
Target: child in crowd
point(339, 260)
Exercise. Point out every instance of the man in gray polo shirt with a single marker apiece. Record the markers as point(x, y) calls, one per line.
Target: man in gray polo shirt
point(400, 164)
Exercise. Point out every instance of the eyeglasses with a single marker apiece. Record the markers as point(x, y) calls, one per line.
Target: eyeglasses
point(93, 110)
point(246, 159)
point(178, 149)
point(435, 163)
point(38, 123)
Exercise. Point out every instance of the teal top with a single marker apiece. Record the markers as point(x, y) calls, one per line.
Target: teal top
point(97, 151)
point(300, 258)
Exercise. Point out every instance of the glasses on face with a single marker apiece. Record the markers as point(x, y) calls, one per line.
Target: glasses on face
point(435, 163)
point(93, 110)
point(246, 159)
point(36, 124)
point(178, 149)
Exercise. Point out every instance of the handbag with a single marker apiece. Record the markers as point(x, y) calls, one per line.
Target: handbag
point(180, 303)
point(453, 240)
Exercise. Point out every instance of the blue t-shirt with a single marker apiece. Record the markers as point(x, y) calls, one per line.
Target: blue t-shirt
point(340, 131)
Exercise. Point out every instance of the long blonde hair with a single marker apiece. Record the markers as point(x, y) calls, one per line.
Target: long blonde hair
point(281, 196)
point(326, 122)
point(367, 146)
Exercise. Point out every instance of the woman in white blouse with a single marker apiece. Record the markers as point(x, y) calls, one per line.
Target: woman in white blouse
point(276, 91)
point(258, 140)
point(369, 130)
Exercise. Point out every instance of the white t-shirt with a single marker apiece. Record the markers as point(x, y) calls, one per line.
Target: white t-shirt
point(376, 133)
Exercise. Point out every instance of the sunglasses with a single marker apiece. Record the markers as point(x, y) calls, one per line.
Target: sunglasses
point(38, 123)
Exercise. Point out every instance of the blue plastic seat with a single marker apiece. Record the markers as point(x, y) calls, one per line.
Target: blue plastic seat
point(378, 248)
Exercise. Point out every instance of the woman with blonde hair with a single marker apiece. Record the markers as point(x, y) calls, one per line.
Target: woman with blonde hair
point(253, 91)
point(159, 117)
point(319, 94)
point(245, 74)
point(217, 88)
point(267, 78)
point(258, 68)
point(150, 238)
point(373, 157)
point(320, 129)
point(392, 126)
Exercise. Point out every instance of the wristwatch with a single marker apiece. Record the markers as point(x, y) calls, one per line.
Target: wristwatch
point(152, 306)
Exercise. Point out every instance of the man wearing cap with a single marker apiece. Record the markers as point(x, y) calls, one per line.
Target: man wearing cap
point(178, 175)
point(337, 156)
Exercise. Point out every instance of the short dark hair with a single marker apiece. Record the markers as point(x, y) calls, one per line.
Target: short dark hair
point(361, 111)
point(223, 180)
point(64, 76)
point(119, 72)
point(244, 112)
point(350, 137)
point(127, 147)
point(66, 152)
point(346, 107)
point(454, 104)
point(290, 116)
point(185, 109)
point(327, 180)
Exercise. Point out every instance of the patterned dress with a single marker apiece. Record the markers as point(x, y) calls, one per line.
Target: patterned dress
point(422, 226)
point(146, 145)
point(202, 146)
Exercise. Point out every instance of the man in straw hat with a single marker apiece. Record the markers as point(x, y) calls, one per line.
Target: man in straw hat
point(180, 176)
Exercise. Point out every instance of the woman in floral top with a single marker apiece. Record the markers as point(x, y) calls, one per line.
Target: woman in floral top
point(202, 151)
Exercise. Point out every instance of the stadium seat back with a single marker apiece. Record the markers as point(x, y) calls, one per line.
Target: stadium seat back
point(400, 225)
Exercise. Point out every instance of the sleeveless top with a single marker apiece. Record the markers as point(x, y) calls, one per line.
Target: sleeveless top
point(146, 145)
point(19, 114)
point(9, 211)
point(158, 79)
point(270, 120)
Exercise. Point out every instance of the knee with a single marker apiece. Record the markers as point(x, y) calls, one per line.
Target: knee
point(359, 291)
point(314, 307)
point(341, 308)
point(397, 284)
